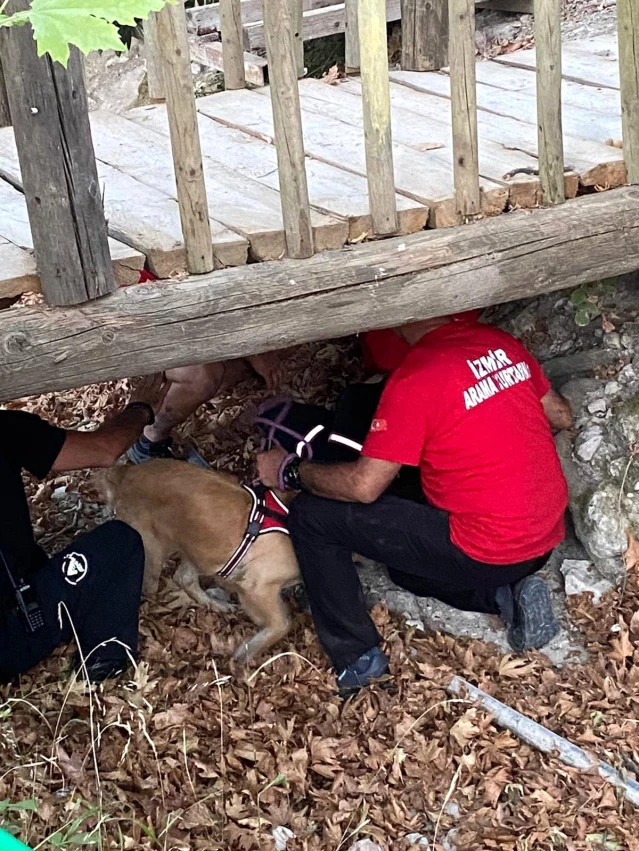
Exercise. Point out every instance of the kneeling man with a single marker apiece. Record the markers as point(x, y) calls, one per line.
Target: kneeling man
point(473, 410)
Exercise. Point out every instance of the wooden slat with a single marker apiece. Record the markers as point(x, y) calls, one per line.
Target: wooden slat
point(15, 227)
point(351, 36)
point(232, 44)
point(17, 271)
point(337, 143)
point(141, 216)
point(549, 115)
point(519, 7)
point(287, 121)
point(433, 136)
point(297, 13)
point(424, 34)
point(153, 60)
point(210, 54)
point(378, 136)
point(578, 122)
point(50, 117)
point(505, 139)
point(5, 117)
point(245, 206)
point(185, 144)
point(464, 106)
point(331, 189)
point(593, 62)
point(238, 312)
point(628, 21)
point(208, 17)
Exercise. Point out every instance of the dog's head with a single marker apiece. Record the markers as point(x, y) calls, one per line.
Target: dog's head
point(108, 482)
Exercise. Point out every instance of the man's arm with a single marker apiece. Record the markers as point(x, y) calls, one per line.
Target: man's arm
point(364, 480)
point(557, 410)
point(103, 447)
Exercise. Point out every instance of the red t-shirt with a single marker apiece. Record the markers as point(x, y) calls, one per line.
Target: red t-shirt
point(465, 407)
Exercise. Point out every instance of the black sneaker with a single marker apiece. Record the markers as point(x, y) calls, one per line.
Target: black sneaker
point(370, 667)
point(103, 669)
point(527, 609)
point(145, 450)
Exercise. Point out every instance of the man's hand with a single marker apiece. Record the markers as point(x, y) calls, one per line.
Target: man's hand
point(151, 389)
point(268, 466)
point(269, 366)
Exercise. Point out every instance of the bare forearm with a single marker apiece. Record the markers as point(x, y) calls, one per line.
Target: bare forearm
point(102, 447)
point(333, 481)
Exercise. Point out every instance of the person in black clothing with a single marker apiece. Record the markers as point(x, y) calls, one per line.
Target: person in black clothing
point(90, 591)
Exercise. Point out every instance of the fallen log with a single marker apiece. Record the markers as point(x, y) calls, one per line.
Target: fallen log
point(543, 739)
point(250, 309)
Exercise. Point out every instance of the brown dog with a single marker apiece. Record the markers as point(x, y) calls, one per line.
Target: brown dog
point(202, 516)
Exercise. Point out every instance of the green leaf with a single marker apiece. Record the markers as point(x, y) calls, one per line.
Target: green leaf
point(87, 24)
point(578, 297)
point(583, 317)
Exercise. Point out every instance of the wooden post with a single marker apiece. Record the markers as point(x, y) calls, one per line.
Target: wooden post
point(51, 123)
point(232, 44)
point(377, 115)
point(153, 60)
point(287, 121)
point(5, 117)
point(628, 22)
point(185, 138)
point(549, 123)
point(463, 95)
point(351, 35)
point(297, 12)
point(424, 34)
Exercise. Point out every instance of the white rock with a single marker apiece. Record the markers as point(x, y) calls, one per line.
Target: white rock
point(612, 388)
point(588, 443)
point(365, 845)
point(580, 576)
point(597, 406)
point(418, 839)
point(452, 809)
point(281, 837)
point(612, 340)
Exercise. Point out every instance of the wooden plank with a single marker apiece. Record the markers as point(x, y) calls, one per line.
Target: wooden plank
point(425, 31)
point(318, 23)
point(153, 60)
point(141, 217)
point(5, 117)
point(207, 18)
point(232, 44)
point(628, 22)
point(50, 117)
point(549, 117)
point(351, 36)
point(211, 55)
point(287, 123)
point(378, 138)
point(17, 271)
point(331, 190)
point(518, 7)
point(433, 137)
point(463, 97)
point(297, 13)
point(241, 204)
point(334, 141)
point(15, 227)
point(578, 122)
point(239, 312)
point(185, 143)
point(590, 64)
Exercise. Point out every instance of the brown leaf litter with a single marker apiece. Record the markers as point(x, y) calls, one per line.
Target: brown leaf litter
point(187, 755)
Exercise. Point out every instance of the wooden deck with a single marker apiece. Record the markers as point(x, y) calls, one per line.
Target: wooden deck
point(135, 164)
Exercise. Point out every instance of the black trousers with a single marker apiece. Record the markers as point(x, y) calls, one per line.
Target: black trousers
point(91, 591)
point(411, 539)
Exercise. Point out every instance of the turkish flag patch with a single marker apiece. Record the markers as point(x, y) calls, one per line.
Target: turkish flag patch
point(379, 425)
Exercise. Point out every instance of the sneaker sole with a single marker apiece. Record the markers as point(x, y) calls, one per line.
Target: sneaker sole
point(384, 681)
point(534, 612)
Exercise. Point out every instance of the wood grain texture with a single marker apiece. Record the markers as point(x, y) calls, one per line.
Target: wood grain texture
point(207, 18)
point(628, 22)
point(239, 312)
point(287, 121)
point(351, 36)
point(211, 54)
point(50, 117)
point(232, 44)
point(5, 117)
point(549, 116)
point(463, 95)
point(153, 60)
point(378, 135)
point(297, 16)
point(424, 34)
point(185, 142)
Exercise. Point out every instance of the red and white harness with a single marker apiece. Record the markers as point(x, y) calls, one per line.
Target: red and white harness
point(268, 514)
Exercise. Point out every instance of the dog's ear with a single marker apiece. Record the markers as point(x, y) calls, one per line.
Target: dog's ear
point(107, 481)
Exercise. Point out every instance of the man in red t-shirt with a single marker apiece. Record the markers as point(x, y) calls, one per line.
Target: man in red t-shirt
point(473, 410)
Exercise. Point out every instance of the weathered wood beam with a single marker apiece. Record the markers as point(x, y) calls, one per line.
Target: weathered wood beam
point(628, 21)
point(232, 44)
point(239, 312)
point(351, 36)
point(297, 14)
point(424, 35)
point(153, 60)
point(51, 123)
point(549, 118)
point(5, 117)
